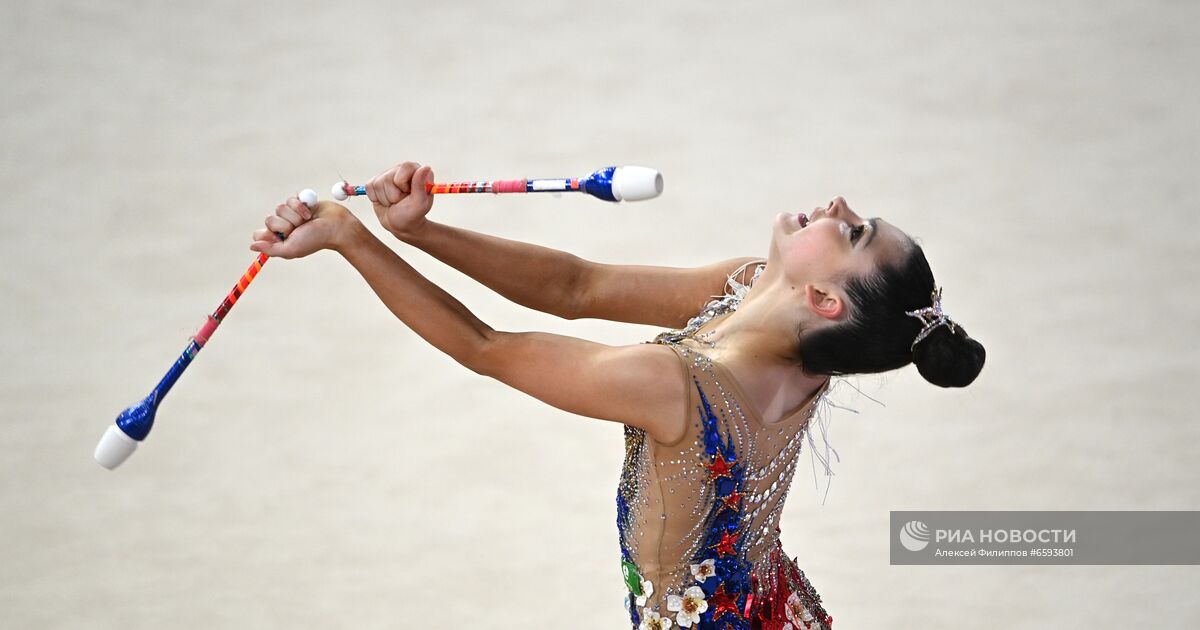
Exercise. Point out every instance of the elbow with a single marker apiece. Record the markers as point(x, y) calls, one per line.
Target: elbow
point(574, 311)
point(577, 296)
point(483, 359)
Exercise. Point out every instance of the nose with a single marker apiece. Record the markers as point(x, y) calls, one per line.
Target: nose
point(839, 207)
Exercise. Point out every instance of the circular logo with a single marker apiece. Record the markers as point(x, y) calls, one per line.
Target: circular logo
point(914, 535)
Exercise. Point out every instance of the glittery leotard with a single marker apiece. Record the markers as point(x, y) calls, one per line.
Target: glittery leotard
point(699, 519)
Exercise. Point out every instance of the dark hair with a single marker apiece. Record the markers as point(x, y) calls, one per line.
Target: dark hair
point(878, 334)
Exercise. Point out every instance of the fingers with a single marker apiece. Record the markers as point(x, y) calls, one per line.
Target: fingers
point(299, 208)
point(274, 239)
point(402, 177)
point(392, 185)
point(289, 214)
point(277, 249)
point(421, 178)
point(377, 189)
point(277, 224)
point(264, 235)
point(269, 243)
point(266, 247)
point(372, 194)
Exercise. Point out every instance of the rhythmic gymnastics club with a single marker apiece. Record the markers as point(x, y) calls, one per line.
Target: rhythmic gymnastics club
point(613, 183)
point(134, 424)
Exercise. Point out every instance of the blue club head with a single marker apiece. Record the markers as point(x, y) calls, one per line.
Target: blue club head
point(138, 419)
point(623, 183)
point(599, 184)
point(132, 426)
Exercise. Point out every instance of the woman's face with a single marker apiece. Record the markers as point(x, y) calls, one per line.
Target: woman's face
point(832, 242)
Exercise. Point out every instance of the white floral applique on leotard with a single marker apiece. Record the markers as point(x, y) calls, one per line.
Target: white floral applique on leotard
point(698, 520)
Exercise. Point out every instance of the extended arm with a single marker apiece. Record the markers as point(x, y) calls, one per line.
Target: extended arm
point(638, 385)
point(541, 278)
point(570, 287)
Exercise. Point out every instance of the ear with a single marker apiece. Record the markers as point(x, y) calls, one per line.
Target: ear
point(824, 302)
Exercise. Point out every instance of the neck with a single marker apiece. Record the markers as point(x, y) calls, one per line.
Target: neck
point(757, 343)
point(751, 331)
point(763, 327)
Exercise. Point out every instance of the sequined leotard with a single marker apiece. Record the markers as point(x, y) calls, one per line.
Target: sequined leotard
point(699, 519)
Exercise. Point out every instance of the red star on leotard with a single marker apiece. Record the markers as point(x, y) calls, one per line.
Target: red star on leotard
point(719, 467)
point(725, 547)
point(722, 603)
point(731, 501)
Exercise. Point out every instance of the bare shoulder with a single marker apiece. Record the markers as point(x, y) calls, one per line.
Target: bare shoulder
point(652, 374)
point(663, 377)
point(637, 384)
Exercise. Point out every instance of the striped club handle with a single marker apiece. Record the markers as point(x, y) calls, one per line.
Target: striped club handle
point(499, 186)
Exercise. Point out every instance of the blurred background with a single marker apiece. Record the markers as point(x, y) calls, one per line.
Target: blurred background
point(318, 466)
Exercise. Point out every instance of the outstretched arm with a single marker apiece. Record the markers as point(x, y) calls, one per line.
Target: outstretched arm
point(658, 296)
point(541, 278)
point(570, 287)
point(638, 385)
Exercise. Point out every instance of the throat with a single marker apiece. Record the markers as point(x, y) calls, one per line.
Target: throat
point(777, 392)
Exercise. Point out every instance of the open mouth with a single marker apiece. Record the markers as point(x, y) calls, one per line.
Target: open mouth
point(803, 219)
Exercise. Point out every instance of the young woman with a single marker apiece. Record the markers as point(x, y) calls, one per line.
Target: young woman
point(714, 409)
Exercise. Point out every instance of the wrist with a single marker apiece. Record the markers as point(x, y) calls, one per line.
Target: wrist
point(412, 233)
point(350, 235)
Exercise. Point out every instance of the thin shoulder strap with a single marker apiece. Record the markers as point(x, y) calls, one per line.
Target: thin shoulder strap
point(737, 279)
point(736, 284)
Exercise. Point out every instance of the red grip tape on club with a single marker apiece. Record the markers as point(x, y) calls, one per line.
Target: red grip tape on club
point(206, 331)
point(509, 186)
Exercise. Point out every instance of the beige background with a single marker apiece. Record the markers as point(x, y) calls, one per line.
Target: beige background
point(318, 466)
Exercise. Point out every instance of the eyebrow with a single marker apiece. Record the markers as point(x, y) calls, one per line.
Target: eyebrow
point(871, 236)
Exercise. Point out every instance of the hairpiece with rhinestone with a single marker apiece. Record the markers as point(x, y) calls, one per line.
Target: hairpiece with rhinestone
point(931, 317)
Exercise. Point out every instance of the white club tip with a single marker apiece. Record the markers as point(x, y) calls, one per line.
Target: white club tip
point(308, 197)
point(114, 448)
point(339, 191)
point(636, 183)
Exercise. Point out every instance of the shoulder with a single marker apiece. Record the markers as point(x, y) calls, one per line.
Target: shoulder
point(667, 374)
point(637, 384)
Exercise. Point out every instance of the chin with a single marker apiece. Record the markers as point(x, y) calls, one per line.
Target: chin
point(773, 248)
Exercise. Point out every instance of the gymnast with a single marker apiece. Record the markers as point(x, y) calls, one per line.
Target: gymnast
point(714, 408)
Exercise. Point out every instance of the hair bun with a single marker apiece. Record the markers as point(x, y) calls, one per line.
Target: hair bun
point(949, 359)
